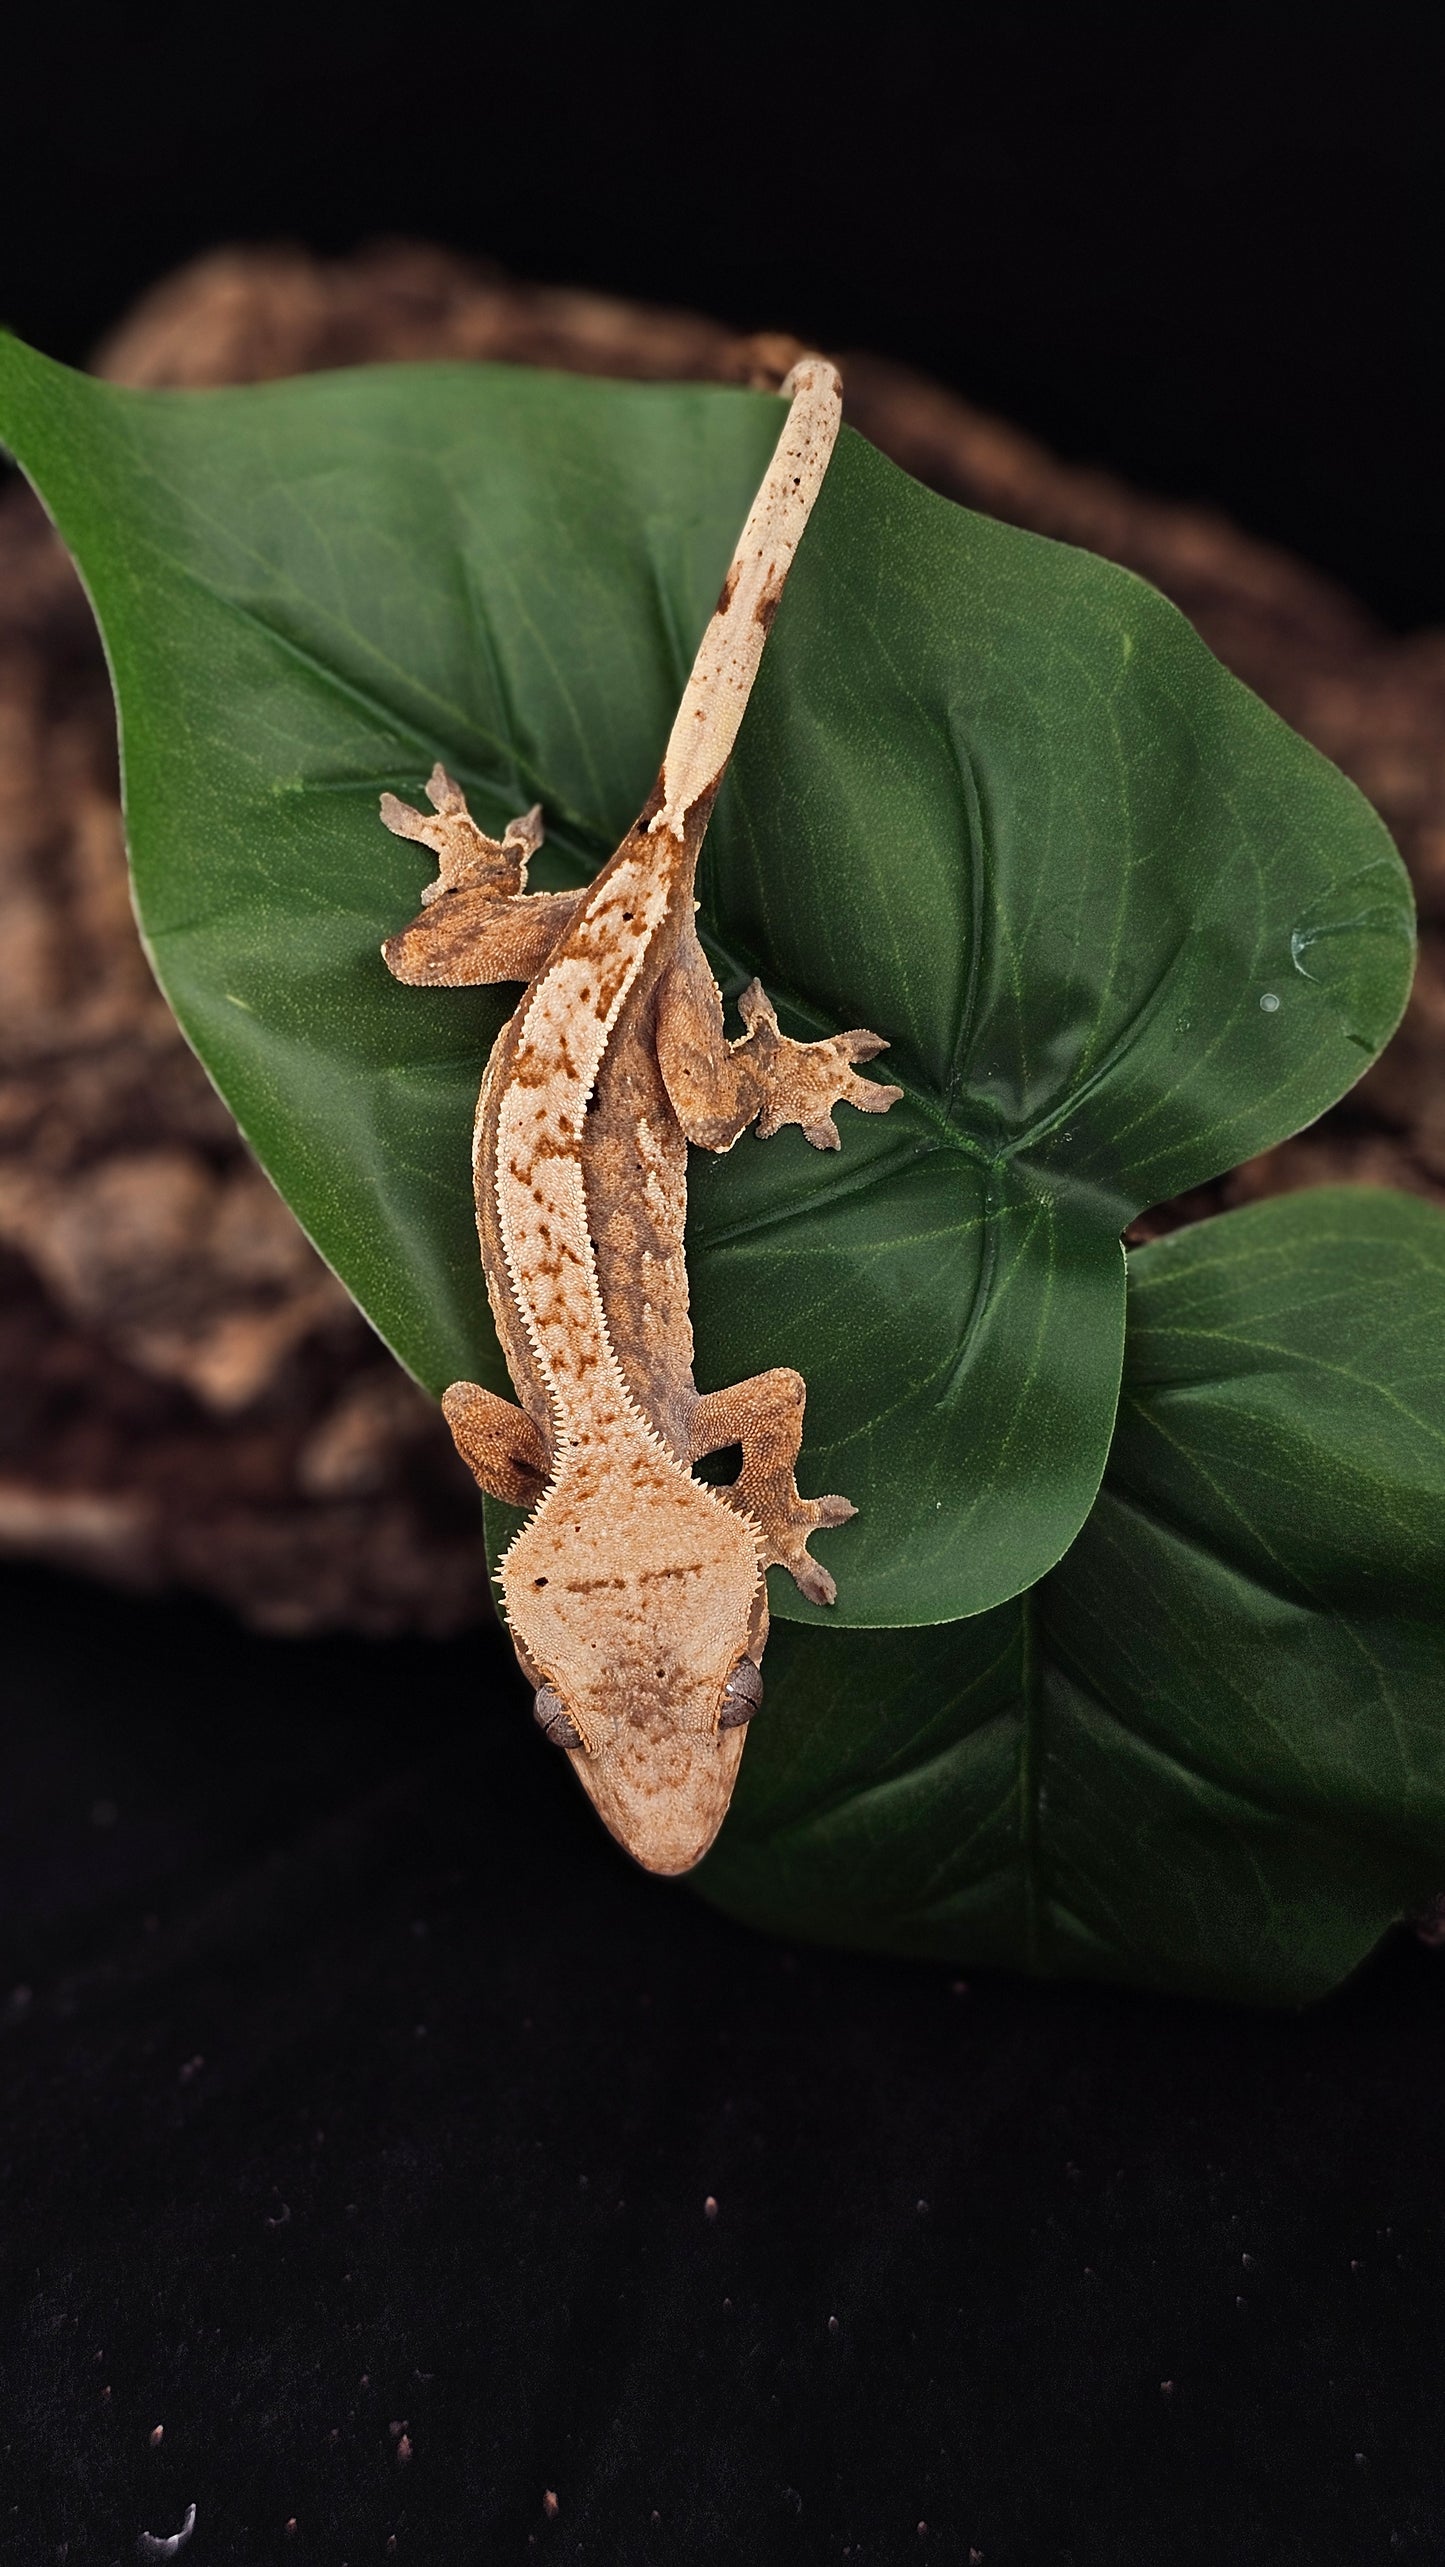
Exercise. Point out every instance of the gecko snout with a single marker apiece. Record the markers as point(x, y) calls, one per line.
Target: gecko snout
point(661, 1787)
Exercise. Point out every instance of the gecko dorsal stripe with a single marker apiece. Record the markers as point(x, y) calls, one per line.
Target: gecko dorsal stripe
point(541, 1198)
point(635, 1594)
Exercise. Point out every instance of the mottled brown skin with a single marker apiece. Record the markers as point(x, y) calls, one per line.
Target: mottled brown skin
point(635, 1594)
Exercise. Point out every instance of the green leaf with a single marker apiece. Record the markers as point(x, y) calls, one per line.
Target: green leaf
point(993, 798)
point(1208, 1752)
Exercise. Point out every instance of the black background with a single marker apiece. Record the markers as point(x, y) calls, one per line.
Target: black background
point(1203, 245)
point(350, 2081)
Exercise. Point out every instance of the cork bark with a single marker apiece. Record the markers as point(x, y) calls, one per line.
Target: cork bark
point(186, 1396)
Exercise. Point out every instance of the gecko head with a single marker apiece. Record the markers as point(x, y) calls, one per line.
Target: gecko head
point(641, 1618)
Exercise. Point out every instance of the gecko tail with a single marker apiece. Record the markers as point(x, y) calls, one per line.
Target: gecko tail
point(716, 695)
point(812, 374)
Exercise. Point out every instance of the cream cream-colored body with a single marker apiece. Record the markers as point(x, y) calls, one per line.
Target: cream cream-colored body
point(635, 1594)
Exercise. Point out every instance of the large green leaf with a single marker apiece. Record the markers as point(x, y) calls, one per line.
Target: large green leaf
point(1209, 1750)
point(994, 798)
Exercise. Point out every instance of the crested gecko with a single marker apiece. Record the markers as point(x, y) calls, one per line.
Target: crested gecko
point(635, 1595)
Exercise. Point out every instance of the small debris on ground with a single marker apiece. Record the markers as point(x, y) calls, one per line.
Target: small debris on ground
point(154, 2545)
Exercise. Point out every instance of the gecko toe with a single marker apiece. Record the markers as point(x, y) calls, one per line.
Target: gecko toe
point(870, 1096)
point(813, 1581)
point(756, 1008)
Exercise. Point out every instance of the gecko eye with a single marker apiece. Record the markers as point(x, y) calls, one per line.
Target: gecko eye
point(741, 1695)
point(554, 1719)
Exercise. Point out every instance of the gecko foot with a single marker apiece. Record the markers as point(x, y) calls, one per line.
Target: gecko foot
point(802, 1082)
point(765, 1416)
point(467, 858)
point(786, 1532)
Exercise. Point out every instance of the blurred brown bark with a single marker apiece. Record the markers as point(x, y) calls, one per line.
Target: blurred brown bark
point(186, 1394)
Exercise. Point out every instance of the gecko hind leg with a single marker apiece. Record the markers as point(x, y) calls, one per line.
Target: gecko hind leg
point(499, 1443)
point(765, 1416)
point(718, 1088)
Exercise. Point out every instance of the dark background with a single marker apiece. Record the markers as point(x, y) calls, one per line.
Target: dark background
point(350, 2082)
point(1202, 245)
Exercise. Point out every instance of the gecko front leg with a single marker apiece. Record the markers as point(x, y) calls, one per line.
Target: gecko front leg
point(718, 1088)
point(765, 1416)
point(479, 923)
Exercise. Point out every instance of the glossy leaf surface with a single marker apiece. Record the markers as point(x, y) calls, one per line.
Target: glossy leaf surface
point(993, 798)
point(1209, 1750)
